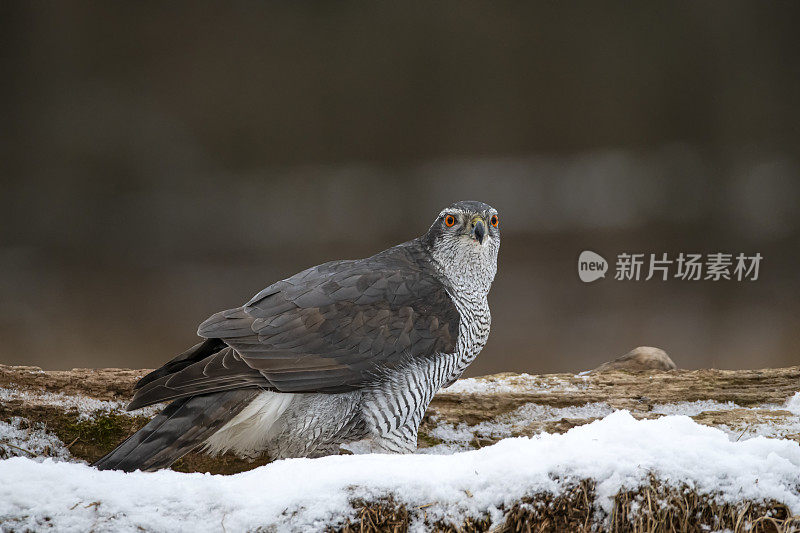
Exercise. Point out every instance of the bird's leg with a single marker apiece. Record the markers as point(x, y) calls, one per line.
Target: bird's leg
point(400, 440)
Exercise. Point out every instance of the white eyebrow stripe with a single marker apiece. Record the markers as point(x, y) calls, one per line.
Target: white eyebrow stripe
point(449, 211)
point(455, 210)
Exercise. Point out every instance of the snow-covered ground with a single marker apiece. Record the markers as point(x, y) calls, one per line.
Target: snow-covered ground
point(17, 436)
point(618, 452)
point(461, 437)
point(731, 452)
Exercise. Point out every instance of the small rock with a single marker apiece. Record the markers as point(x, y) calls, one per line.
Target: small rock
point(641, 358)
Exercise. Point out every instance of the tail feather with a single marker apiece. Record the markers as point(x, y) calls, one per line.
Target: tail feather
point(198, 352)
point(184, 425)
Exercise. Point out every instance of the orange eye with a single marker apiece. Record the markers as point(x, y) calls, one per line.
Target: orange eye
point(449, 221)
point(494, 220)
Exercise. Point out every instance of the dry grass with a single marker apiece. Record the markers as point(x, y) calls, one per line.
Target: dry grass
point(383, 515)
point(571, 510)
point(655, 508)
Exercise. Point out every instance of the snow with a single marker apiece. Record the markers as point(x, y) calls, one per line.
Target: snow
point(29, 441)
point(618, 452)
point(512, 383)
point(769, 426)
point(87, 407)
point(793, 404)
point(773, 421)
point(461, 436)
point(692, 408)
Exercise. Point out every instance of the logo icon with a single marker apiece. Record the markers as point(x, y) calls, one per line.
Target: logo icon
point(591, 266)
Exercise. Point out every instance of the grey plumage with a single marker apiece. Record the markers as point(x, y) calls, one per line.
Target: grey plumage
point(176, 431)
point(347, 352)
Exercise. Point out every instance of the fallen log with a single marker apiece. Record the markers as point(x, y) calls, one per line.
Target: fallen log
point(85, 407)
point(78, 415)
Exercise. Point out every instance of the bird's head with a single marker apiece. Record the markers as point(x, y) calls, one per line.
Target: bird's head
point(464, 240)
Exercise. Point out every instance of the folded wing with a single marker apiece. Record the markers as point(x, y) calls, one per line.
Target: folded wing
point(330, 328)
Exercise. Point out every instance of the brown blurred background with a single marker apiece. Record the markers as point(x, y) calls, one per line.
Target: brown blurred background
point(162, 161)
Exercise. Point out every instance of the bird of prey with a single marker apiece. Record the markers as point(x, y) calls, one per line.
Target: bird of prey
point(344, 353)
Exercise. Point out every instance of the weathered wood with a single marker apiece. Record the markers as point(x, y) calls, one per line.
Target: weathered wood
point(38, 396)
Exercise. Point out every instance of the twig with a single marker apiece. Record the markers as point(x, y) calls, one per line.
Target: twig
point(6, 443)
point(73, 442)
point(743, 432)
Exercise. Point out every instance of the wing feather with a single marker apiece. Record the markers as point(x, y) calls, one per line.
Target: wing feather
point(330, 328)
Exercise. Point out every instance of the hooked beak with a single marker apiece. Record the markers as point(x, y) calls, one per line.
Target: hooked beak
point(478, 229)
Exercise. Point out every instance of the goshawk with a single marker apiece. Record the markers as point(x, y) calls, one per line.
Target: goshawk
point(344, 353)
